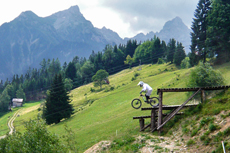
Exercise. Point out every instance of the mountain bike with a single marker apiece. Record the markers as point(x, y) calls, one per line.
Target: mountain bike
point(136, 103)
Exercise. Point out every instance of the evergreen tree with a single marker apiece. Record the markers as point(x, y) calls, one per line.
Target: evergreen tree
point(98, 62)
point(71, 71)
point(108, 57)
point(218, 34)
point(57, 105)
point(131, 47)
point(157, 50)
point(199, 30)
point(171, 49)
point(179, 55)
point(87, 71)
point(5, 100)
point(20, 93)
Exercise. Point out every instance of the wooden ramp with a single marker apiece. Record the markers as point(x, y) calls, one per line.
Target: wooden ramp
point(157, 120)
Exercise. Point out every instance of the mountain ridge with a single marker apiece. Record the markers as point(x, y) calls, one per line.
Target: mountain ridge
point(28, 39)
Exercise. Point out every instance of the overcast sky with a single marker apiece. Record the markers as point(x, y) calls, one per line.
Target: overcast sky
point(126, 17)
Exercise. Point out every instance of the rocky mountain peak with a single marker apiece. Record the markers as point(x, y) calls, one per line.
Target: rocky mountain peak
point(71, 17)
point(174, 23)
point(27, 15)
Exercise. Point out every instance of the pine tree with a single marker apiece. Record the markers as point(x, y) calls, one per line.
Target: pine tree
point(179, 55)
point(199, 30)
point(71, 71)
point(218, 34)
point(171, 49)
point(20, 93)
point(57, 105)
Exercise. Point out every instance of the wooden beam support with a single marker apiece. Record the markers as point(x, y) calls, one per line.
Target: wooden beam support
point(153, 119)
point(203, 97)
point(145, 127)
point(160, 110)
point(142, 123)
point(176, 111)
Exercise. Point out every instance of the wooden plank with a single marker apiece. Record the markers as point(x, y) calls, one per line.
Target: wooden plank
point(176, 111)
point(153, 129)
point(167, 107)
point(146, 127)
point(156, 115)
point(191, 89)
point(139, 117)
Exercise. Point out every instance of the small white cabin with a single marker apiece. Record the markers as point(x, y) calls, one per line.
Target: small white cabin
point(17, 102)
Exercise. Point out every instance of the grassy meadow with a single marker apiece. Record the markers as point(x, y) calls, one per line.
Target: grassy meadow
point(107, 114)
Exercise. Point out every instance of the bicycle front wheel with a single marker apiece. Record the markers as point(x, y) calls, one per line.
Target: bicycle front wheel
point(154, 100)
point(136, 103)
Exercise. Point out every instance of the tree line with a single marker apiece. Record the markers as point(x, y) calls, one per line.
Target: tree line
point(35, 82)
point(210, 32)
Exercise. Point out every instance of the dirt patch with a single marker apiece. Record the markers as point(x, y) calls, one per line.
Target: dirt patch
point(102, 145)
point(162, 144)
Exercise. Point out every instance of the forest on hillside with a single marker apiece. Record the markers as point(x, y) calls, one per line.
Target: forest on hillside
point(210, 38)
point(34, 84)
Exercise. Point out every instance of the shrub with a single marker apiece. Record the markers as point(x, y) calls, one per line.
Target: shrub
point(136, 74)
point(194, 132)
point(227, 131)
point(212, 127)
point(204, 75)
point(190, 142)
point(205, 121)
point(92, 90)
point(160, 61)
point(36, 138)
point(185, 63)
point(133, 78)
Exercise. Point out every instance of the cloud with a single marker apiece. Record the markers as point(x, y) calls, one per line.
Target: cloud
point(150, 15)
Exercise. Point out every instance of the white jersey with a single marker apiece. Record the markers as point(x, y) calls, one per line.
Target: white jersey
point(147, 88)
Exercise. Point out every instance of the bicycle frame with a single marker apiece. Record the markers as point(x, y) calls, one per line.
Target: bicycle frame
point(142, 98)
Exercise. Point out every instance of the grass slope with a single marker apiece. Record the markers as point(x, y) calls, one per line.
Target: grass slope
point(107, 114)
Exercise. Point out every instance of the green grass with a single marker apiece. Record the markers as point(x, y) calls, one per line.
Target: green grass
point(109, 117)
point(27, 107)
point(4, 120)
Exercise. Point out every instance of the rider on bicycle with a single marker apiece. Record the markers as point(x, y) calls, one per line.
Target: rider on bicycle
point(146, 88)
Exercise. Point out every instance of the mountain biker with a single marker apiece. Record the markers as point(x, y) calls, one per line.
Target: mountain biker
point(146, 88)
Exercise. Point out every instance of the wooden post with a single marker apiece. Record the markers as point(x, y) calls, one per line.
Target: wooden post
point(203, 97)
point(153, 121)
point(142, 123)
point(160, 110)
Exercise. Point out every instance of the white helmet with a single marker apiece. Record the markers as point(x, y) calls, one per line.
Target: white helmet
point(140, 83)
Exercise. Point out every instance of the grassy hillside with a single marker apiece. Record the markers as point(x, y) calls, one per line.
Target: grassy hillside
point(107, 114)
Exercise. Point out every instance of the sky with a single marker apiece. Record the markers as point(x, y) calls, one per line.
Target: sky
point(126, 17)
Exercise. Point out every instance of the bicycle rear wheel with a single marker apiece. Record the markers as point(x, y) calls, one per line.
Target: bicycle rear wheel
point(136, 103)
point(153, 101)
